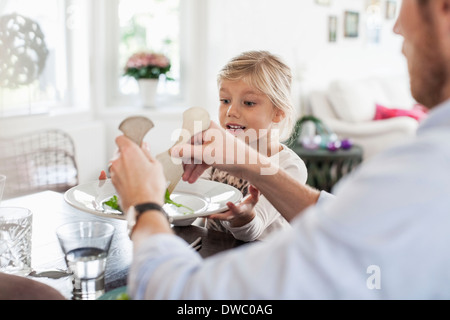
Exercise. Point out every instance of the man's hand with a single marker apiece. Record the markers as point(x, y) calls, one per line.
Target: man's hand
point(136, 175)
point(218, 148)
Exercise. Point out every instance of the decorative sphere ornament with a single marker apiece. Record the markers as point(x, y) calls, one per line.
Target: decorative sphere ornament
point(333, 137)
point(311, 143)
point(333, 145)
point(346, 144)
point(23, 51)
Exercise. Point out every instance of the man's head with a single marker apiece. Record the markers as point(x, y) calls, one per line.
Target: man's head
point(425, 27)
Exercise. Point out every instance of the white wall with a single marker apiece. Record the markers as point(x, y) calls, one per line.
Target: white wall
point(297, 30)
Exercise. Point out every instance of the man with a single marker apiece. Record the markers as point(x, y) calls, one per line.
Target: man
point(14, 287)
point(384, 236)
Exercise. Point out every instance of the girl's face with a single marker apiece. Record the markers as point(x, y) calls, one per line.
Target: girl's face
point(246, 112)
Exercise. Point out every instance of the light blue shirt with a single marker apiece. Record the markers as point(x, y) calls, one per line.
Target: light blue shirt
point(386, 235)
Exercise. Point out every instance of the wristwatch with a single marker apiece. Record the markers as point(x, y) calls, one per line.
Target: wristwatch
point(134, 212)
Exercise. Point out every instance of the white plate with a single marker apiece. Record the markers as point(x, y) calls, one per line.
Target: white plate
point(204, 197)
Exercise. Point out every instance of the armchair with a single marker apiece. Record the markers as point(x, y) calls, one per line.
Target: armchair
point(37, 161)
point(348, 108)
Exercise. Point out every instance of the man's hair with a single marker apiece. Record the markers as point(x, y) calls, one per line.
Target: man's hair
point(424, 10)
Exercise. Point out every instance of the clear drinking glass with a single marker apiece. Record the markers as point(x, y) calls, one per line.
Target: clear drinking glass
point(15, 240)
point(85, 245)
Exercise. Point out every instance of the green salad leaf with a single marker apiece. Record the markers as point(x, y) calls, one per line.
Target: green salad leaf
point(168, 200)
point(113, 202)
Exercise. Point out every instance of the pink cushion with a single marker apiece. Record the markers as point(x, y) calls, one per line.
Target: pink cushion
point(418, 112)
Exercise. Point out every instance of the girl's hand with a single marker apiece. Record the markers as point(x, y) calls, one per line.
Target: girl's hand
point(241, 214)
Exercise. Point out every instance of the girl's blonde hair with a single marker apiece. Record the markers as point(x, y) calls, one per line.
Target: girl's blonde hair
point(268, 74)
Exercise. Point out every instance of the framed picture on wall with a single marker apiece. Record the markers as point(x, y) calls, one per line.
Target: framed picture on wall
point(391, 9)
point(332, 28)
point(351, 24)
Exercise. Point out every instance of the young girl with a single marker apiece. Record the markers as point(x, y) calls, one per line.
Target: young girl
point(255, 105)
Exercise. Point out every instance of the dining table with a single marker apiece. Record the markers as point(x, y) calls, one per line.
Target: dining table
point(50, 210)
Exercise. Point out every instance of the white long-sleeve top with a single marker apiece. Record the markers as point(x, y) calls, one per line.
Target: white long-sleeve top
point(385, 236)
point(267, 218)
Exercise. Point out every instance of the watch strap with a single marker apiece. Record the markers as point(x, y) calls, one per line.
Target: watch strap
point(138, 210)
point(143, 207)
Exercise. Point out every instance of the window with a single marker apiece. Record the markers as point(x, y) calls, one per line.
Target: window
point(139, 25)
point(149, 25)
point(30, 39)
point(36, 69)
point(77, 49)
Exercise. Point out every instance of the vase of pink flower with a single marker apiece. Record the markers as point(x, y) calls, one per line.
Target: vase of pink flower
point(147, 68)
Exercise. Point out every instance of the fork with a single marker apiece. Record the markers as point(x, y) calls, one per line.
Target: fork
point(52, 274)
point(97, 206)
point(196, 244)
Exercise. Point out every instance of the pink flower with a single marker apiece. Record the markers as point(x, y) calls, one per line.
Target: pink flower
point(147, 65)
point(145, 59)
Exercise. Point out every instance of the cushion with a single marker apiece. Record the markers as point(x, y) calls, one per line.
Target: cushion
point(417, 112)
point(355, 100)
point(398, 92)
point(320, 105)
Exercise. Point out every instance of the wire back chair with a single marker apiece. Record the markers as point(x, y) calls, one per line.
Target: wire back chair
point(38, 161)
